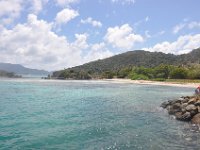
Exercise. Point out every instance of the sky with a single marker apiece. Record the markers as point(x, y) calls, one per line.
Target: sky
point(57, 34)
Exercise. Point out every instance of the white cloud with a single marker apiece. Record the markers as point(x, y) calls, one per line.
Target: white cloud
point(144, 20)
point(94, 23)
point(35, 45)
point(183, 44)
point(178, 27)
point(147, 19)
point(122, 37)
point(66, 15)
point(123, 2)
point(64, 3)
point(37, 5)
point(81, 41)
point(189, 25)
point(97, 51)
point(10, 10)
point(193, 25)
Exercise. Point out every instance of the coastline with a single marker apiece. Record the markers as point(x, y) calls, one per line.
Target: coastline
point(148, 82)
point(115, 80)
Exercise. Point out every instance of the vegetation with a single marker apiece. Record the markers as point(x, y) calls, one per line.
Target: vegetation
point(138, 65)
point(8, 74)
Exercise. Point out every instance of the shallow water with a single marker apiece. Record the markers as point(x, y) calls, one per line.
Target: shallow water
point(42, 114)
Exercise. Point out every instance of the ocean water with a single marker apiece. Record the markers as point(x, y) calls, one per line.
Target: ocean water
point(90, 115)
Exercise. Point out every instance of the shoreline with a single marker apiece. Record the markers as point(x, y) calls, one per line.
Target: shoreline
point(115, 80)
point(148, 82)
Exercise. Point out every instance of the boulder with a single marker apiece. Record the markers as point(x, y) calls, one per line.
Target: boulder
point(171, 102)
point(192, 101)
point(196, 119)
point(186, 116)
point(176, 106)
point(172, 109)
point(191, 107)
point(164, 104)
point(184, 108)
point(198, 109)
point(178, 115)
point(197, 103)
point(185, 100)
point(183, 116)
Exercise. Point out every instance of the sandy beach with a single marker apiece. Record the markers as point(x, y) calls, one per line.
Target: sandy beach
point(192, 85)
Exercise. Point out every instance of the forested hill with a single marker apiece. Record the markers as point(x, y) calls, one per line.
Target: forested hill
point(129, 59)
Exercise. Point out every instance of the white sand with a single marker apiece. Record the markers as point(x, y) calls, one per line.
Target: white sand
point(153, 82)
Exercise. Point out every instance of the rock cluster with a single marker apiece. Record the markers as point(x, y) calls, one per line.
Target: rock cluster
point(185, 108)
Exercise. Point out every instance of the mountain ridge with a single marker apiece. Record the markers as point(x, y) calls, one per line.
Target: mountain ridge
point(21, 70)
point(135, 58)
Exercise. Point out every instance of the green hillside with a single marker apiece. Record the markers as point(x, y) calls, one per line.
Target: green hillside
point(121, 65)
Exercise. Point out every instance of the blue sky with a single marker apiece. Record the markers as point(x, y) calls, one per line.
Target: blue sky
point(57, 34)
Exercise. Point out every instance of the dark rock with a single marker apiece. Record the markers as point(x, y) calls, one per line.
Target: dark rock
point(172, 102)
point(193, 112)
point(184, 108)
point(176, 106)
point(172, 109)
point(196, 119)
point(183, 116)
point(191, 107)
point(178, 115)
point(164, 104)
point(198, 109)
point(197, 103)
point(186, 116)
point(185, 100)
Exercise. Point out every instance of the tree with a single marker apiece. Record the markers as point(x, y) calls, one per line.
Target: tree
point(178, 73)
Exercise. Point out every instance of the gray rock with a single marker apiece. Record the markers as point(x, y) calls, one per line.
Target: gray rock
point(164, 104)
point(172, 109)
point(184, 105)
point(185, 100)
point(183, 110)
point(176, 106)
point(183, 116)
point(178, 115)
point(186, 117)
point(171, 102)
point(196, 119)
point(193, 112)
point(197, 103)
point(191, 107)
point(198, 109)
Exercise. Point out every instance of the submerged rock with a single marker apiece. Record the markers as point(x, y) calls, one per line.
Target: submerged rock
point(186, 108)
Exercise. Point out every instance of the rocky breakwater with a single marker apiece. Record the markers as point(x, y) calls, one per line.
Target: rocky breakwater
point(185, 108)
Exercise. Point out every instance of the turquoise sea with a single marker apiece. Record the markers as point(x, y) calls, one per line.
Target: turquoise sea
point(90, 115)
